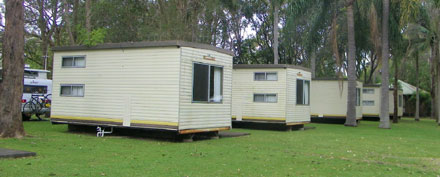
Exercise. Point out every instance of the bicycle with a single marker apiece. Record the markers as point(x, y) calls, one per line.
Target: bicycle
point(35, 105)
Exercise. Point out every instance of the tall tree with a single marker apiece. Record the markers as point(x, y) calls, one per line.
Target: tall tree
point(276, 9)
point(384, 100)
point(417, 114)
point(11, 85)
point(88, 16)
point(352, 95)
point(396, 90)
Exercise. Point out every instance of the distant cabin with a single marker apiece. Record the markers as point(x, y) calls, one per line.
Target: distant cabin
point(168, 85)
point(329, 100)
point(271, 94)
point(371, 102)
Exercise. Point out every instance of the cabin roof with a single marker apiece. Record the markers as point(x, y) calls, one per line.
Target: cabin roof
point(378, 86)
point(372, 85)
point(264, 66)
point(332, 79)
point(145, 44)
point(36, 70)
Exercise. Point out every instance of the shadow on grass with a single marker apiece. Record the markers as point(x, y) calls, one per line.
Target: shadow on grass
point(145, 134)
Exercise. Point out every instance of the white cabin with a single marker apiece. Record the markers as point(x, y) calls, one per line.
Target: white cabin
point(371, 102)
point(169, 85)
point(270, 93)
point(329, 99)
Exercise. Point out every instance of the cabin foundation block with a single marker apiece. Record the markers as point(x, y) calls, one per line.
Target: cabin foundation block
point(186, 137)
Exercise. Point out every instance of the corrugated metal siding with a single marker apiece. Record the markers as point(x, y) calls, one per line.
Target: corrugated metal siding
point(391, 103)
point(143, 81)
point(294, 112)
point(359, 109)
point(375, 110)
point(244, 87)
point(326, 98)
point(204, 115)
point(372, 110)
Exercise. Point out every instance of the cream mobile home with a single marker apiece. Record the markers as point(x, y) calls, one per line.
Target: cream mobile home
point(371, 102)
point(169, 85)
point(329, 99)
point(271, 94)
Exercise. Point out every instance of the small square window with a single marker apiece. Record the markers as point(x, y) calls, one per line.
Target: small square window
point(266, 98)
point(265, 76)
point(260, 76)
point(368, 91)
point(368, 103)
point(73, 62)
point(258, 97)
point(72, 90)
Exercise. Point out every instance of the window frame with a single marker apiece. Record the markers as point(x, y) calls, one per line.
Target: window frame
point(364, 90)
point(296, 88)
point(265, 75)
point(358, 97)
point(363, 104)
point(265, 97)
point(209, 81)
point(400, 100)
point(34, 86)
point(71, 90)
point(73, 61)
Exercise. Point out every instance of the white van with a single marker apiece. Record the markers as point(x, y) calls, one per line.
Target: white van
point(37, 93)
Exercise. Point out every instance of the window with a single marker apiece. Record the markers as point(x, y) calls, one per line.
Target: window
point(207, 83)
point(302, 92)
point(265, 76)
point(358, 97)
point(30, 74)
point(368, 91)
point(368, 103)
point(72, 90)
point(35, 89)
point(266, 98)
point(74, 62)
point(400, 100)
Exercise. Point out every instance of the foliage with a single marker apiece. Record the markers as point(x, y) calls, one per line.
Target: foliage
point(425, 103)
point(95, 37)
point(307, 27)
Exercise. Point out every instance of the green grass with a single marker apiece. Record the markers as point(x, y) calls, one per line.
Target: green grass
point(408, 149)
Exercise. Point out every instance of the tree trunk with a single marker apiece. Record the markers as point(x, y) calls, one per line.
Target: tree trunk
point(417, 114)
point(437, 60)
point(76, 7)
point(351, 101)
point(11, 89)
point(313, 64)
point(275, 32)
point(88, 16)
point(42, 26)
point(384, 108)
point(68, 22)
point(396, 91)
point(434, 110)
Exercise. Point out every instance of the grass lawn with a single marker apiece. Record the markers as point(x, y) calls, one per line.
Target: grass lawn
point(408, 149)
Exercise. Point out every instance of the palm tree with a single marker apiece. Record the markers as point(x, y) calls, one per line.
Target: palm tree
point(384, 109)
point(276, 9)
point(351, 101)
point(419, 39)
